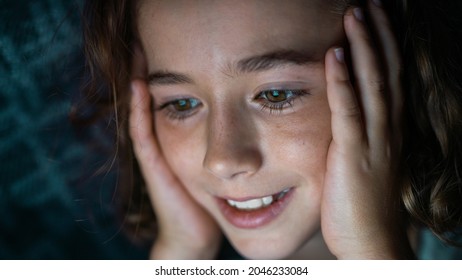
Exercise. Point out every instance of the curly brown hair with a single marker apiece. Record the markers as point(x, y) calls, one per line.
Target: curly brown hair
point(430, 37)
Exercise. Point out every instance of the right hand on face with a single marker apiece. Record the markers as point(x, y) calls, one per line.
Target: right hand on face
point(186, 230)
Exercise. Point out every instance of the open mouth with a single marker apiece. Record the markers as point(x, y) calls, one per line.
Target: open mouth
point(257, 203)
point(255, 212)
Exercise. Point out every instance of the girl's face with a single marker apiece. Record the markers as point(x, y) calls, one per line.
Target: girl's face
point(241, 111)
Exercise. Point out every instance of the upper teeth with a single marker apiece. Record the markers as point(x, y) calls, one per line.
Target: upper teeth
point(255, 203)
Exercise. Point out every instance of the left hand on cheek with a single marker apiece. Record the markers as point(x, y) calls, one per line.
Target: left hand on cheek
point(360, 206)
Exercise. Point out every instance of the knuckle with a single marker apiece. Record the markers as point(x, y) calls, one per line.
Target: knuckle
point(350, 111)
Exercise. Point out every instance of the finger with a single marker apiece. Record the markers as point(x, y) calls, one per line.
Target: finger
point(153, 167)
point(392, 57)
point(141, 125)
point(346, 121)
point(368, 76)
point(142, 134)
point(140, 119)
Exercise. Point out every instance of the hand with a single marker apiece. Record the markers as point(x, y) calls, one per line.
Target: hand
point(360, 212)
point(186, 231)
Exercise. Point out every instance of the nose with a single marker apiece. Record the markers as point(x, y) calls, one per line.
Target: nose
point(232, 146)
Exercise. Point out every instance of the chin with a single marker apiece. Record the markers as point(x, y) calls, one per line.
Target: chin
point(266, 249)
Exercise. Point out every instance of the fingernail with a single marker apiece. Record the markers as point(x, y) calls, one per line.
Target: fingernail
point(340, 55)
point(378, 3)
point(132, 87)
point(359, 15)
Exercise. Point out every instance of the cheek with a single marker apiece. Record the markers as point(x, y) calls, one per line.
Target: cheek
point(299, 142)
point(182, 147)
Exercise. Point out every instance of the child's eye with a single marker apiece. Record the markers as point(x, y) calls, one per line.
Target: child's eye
point(182, 105)
point(276, 95)
point(180, 108)
point(279, 99)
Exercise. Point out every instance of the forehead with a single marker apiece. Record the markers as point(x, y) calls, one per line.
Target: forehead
point(229, 29)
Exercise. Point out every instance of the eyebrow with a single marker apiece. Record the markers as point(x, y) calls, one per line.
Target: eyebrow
point(273, 60)
point(251, 64)
point(168, 78)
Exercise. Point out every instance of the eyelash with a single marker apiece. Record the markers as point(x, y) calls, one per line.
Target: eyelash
point(174, 114)
point(265, 104)
point(281, 105)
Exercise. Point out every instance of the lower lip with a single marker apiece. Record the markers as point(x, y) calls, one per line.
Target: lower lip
point(249, 219)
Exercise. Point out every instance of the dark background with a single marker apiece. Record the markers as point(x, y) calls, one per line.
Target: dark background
point(52, 204)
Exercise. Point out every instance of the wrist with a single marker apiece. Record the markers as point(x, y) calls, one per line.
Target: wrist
point(379, 247)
